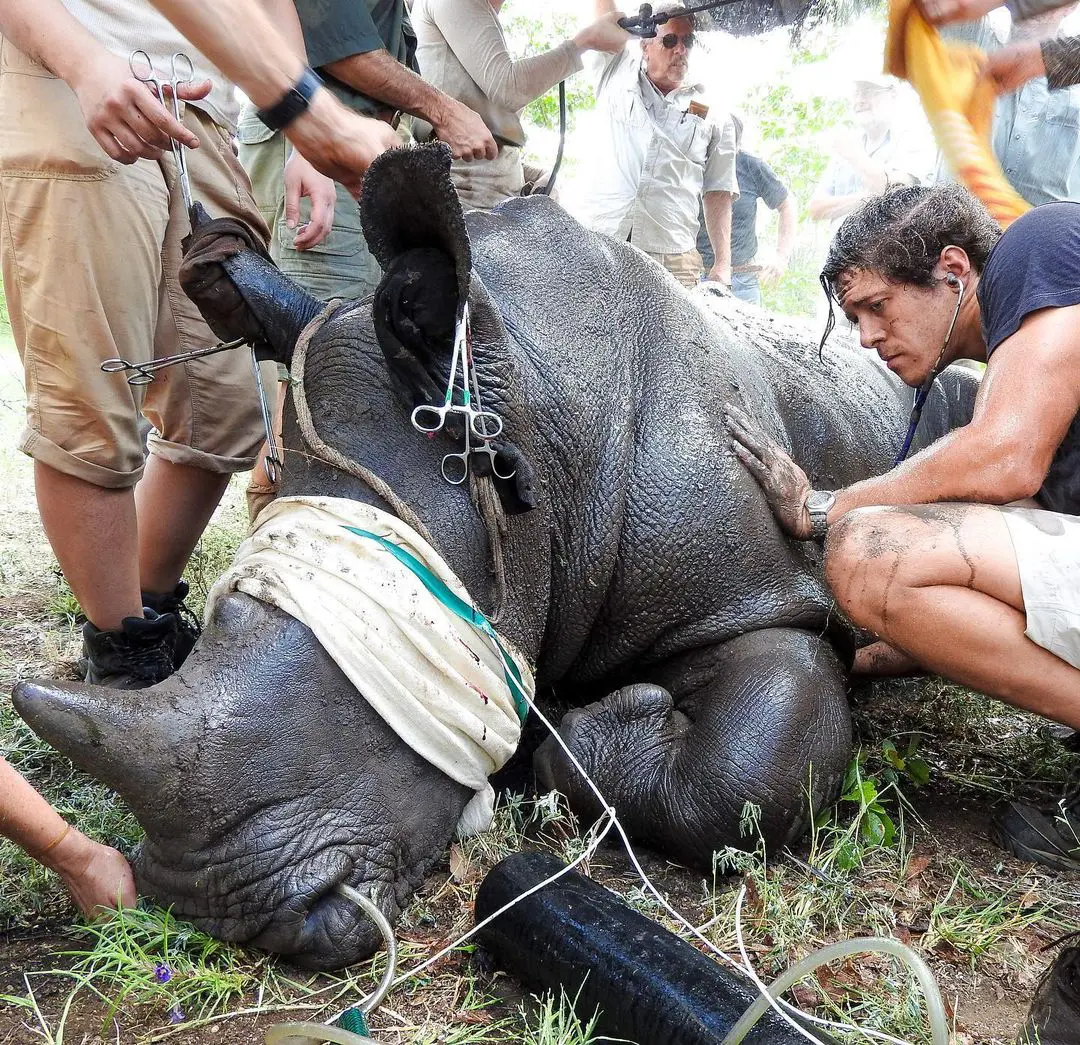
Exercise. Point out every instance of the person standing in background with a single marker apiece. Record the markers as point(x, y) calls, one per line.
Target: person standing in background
point(867, 161)
point(1036, 129)
point(664, 155)
point(757, 181)
point(462, 51)
point(365, 54)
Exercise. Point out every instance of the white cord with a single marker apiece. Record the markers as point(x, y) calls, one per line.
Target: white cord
point(608, 820)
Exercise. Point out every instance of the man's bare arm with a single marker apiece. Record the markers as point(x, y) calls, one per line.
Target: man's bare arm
point(717, 206)
point(378, 75)
point(603, 7)
point(1006, 451)
point(240, 39)
point(124, 116)
point(785, 237)
point(826, 208)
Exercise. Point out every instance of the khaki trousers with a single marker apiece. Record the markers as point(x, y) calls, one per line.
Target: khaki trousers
point(687, 268)
point(90, 251)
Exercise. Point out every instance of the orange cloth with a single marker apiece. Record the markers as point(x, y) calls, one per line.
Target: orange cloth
point(959, 104)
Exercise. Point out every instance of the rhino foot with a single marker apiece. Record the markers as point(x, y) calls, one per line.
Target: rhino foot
point(760, 719)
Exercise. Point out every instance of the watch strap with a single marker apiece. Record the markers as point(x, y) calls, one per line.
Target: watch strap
point(295, 101)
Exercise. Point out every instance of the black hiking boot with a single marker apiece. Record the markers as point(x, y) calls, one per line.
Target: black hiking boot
point(1054, 1016)
point(139, 655)
point(1049, 836)
point(188, 628)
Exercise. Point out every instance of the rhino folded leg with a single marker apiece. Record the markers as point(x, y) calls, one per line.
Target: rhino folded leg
point(762, 718)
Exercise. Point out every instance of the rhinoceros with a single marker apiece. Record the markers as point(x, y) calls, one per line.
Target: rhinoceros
point(697, 647)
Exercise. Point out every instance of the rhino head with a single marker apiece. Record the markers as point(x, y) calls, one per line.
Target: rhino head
point(262, 777)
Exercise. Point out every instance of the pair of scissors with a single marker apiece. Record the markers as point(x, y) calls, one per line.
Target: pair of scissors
point(143, 373)
point(183, 72)
point(483, 424)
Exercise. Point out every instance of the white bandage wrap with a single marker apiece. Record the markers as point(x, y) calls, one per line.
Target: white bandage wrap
point(437, 680)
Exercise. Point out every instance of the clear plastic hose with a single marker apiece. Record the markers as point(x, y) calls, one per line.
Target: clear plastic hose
point(935, 1009)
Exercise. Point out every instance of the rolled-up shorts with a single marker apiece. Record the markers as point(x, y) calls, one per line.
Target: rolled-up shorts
point(91, 251)
point(1047, 547)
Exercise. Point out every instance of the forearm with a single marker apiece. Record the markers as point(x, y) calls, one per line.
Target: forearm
point(45, 31)
point(282, 14)
point(603, 7)
point(785, 239)
point(958, 467)
point(377, 75)
point(1023, 9)
point(825, 208)
point(472, 32)
point(267, 64)
point(717, 206)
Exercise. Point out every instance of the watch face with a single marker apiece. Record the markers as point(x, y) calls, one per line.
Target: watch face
point(819, 500)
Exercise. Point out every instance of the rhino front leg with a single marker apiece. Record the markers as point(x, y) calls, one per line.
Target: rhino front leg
point(762, 718)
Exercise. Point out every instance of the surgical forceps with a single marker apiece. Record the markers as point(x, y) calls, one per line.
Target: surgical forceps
point(484, 424)
point(183, 72)
point(143, 373)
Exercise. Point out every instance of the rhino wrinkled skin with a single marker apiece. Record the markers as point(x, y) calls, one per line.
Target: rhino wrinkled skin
point(697, 646)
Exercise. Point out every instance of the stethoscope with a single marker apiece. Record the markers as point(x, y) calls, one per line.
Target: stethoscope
point(923, 391)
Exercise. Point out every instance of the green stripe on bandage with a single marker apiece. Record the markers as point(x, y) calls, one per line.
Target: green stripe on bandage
point(460, 608)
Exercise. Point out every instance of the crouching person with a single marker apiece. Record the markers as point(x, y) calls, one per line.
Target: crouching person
point(935, 557)
point(92, 219)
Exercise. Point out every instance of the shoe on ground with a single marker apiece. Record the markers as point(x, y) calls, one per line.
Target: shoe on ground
point(1054, 1016)
point(188, 628)
point(1050, 838)
point(140, 654)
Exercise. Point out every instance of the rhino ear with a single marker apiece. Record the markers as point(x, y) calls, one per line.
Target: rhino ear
point(416, 230)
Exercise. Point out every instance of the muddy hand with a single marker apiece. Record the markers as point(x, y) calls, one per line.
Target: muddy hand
point(782, 481)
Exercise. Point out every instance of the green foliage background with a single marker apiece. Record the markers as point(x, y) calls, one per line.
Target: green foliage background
point(789, 123)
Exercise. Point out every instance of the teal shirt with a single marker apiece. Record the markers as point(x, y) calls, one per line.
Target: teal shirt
point(336, 29)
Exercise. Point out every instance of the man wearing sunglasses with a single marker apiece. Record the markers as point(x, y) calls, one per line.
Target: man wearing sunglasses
point(662, 152)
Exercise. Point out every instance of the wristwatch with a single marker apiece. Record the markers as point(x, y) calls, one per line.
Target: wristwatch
point(296, 100)
point(819, 503)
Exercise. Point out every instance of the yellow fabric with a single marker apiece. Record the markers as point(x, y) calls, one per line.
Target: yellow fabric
point(959, 104)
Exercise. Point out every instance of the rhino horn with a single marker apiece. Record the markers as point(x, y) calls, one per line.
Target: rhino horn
point(130, 740)
point(238, 289)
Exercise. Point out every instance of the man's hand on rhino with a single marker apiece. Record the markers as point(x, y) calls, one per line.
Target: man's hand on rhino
point(124, 115)
point(339, 142)
point(304, 181)
point(465, 133)
point(782, 481)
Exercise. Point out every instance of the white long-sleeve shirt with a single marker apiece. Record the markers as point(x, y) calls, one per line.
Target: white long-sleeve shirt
point(654, 160)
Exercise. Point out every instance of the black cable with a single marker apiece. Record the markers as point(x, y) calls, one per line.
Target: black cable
point(549, 187)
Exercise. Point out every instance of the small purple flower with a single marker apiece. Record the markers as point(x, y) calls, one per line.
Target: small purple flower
point(176, 1014)
point(162, 973)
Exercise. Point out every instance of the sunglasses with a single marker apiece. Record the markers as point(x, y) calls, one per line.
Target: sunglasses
point(672, 40)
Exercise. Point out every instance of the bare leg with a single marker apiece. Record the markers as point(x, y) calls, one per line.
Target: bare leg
point(941, 584)
point(175, 502)
point(94, 874)
point(880, 660)
point(93, 534)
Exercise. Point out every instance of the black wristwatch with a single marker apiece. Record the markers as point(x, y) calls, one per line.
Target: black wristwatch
point(818, 504)
point(279, 115)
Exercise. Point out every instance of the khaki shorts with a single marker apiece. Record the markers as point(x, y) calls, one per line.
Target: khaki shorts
point(90, 251)
point(1047, 547)
point(339, 267)
point(687, 268)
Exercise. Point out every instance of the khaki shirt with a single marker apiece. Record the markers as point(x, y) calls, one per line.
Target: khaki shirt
point(654, 160)
point(122, 26)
